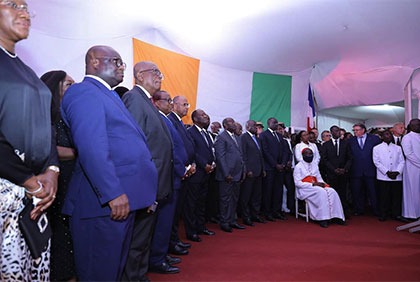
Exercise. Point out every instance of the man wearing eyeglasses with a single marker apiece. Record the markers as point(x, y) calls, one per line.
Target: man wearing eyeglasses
point(148, 79)
point(112, 162)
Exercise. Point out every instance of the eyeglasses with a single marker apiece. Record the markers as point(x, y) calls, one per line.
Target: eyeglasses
point(156, 72)
point(16, 7)
point(169, 100)
point(117, 61)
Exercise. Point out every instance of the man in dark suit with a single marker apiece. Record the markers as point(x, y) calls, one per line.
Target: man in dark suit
point(195, 202)
point(336, 159)
point(180, 110)
point(148, 79)
point(114, 174)
point(398, 131)
point(275, 161)
point(363, 170)
point(229, 173)
point(159, 260)
point(250, 194)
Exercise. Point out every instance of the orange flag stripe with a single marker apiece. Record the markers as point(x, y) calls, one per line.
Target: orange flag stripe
point(181, 72)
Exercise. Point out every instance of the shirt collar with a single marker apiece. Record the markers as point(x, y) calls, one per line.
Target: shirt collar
point(100, 80)
point(145, 91)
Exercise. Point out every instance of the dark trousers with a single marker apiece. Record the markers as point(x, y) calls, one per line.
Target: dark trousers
point(290, 186)
point(195, 207)
point(163, 228)
point(361, 186)
point(250, 197)
point(212, 201)
point(272, 193)
point(229, 195)
point(100, 246)
point(178, 212)
point(138, 255)
point(389, 198)
point(339, 183)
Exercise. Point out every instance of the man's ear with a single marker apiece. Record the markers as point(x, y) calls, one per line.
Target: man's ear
point(139, 76)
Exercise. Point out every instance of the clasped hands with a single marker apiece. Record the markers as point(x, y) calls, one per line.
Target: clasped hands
point(392, 174)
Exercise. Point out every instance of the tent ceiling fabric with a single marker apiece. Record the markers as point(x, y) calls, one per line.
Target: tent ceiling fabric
point(362, 51)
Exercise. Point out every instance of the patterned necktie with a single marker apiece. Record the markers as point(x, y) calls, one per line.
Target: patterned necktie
point(205, 138)
point(275, 135)
point(256, 141)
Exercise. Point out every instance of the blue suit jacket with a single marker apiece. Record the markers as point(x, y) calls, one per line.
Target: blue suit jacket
point(252, 155)
point(362, 164)
point(180, 155)
point(113, 157)
point(274, 152)
point(228, 157)
point(185, 136)
point(203, 155)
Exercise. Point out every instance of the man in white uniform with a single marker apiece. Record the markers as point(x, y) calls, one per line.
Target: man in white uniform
point(411, 177)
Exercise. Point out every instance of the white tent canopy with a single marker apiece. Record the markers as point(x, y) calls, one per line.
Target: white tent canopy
point(354, 52)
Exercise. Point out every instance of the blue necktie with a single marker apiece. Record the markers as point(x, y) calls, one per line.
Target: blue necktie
point(361, 144)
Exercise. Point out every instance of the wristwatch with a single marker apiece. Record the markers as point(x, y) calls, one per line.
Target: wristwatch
point(54, 168)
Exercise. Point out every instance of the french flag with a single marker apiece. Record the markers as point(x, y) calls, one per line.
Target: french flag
point(310, 121)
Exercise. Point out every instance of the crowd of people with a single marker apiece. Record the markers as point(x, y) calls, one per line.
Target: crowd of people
point(121, 177)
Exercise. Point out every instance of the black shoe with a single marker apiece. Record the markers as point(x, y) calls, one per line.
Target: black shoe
point(164, 268)
point(144, 278)
point(323, 223)
point(279, 216)
point(214, 220)
point(339, 221)
point(207, 232)
point(226, 228)
point(184, 245)
point(269, 218)
point(237, 226)
point(248, 222)
point(194, 238)
point(178, 250)
point(259, 219)
point(172, 260)
point(402, 219)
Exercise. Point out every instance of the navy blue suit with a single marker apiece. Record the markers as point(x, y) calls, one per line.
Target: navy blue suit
point(275, 151)
point(166, 211)
point(113, 159)
point(189, 148)
point(194, 209)
point(250, 195)
point(363, 171)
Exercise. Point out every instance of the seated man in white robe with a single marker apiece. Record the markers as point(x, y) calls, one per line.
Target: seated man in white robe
point(323, 201)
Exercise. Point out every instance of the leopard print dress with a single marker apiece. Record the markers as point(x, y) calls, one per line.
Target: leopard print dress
point(15, 259)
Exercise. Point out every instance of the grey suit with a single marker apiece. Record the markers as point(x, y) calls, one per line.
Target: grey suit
point(229, 162)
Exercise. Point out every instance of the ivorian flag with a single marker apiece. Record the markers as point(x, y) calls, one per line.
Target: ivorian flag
point(221, 92)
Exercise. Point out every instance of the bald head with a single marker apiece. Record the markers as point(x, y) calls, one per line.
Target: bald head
point(106, 63)
point(148, 75)
point(181, 106)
